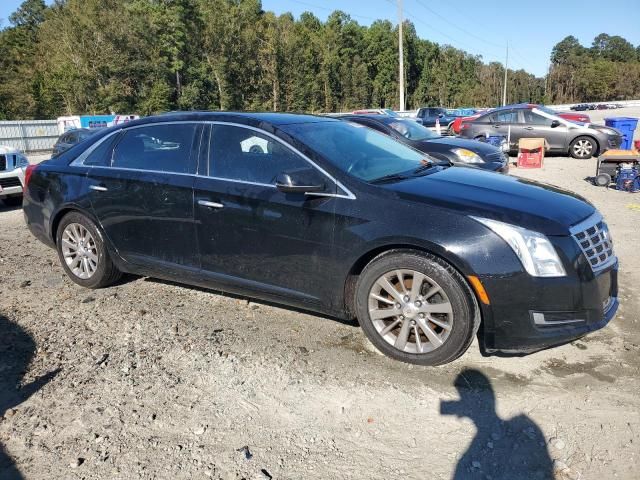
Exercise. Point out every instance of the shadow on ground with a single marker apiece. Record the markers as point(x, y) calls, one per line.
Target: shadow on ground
point(17, 348)
point(511, 449)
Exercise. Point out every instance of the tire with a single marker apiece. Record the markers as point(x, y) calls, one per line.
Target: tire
point(104, 273)
point(14, 201)
point(386, 332)
point(583, 148)
point(602, 180)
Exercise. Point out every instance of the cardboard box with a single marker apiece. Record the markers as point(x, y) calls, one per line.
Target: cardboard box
point(531, 152)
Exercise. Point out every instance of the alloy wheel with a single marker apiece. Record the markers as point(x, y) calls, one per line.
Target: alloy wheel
point(582, 148)
point(410, 311)
point(79, 250)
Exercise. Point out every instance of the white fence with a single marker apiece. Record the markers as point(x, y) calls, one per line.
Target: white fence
point(29, 135)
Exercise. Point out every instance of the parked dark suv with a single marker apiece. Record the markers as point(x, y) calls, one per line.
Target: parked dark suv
point(427, 116)
point(331, 217)
point(534, 121)
point(70, 138)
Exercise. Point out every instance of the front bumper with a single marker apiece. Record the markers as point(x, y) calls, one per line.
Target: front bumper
point(532, 314)
point(11, 182)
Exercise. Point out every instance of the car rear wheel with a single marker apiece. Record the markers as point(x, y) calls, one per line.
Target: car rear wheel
point(416, 308)
point(583, 148)
point(83, 254)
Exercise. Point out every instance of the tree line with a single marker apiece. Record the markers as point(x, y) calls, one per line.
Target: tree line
point(608, 70)
point(150, 56)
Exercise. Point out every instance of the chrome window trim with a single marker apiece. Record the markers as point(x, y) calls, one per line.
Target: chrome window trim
point(79, 162)
point(347, 193)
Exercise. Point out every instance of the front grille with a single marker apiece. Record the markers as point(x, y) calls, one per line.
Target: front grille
point(3, 162)
point(496, 157)
point(595, 242)
point(10, 182)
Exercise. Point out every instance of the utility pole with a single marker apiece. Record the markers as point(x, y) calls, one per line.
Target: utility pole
point(401, 54)
point(506, 69)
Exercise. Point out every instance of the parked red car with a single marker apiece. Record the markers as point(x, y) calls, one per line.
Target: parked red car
point(575, 117)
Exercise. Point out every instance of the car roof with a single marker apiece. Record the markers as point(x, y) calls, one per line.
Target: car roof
point(272, 118)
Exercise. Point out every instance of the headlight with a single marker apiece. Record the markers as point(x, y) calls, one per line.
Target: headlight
point(534, 250)
point(467, 156)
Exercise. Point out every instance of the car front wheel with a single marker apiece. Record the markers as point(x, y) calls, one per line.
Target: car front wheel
point(83, 254)
point(583, 148)
point(416, 308)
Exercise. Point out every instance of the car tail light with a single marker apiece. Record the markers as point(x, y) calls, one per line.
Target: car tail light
point(27, 174)
point(464, 126)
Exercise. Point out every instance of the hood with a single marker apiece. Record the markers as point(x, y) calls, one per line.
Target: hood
point(536, 206)
point(604, 129)
point(444, 144)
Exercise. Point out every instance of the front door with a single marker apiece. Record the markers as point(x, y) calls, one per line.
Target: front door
point(252, 234)
point(539, 126)
point(141, 192)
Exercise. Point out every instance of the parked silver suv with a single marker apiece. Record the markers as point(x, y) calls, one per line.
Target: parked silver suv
point(12, 167)
point(580, 140)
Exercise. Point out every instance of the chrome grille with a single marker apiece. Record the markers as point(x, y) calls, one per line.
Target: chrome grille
point(10, 182)
point(595, 242)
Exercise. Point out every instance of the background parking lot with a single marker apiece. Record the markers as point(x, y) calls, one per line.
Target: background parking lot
point(150, 379)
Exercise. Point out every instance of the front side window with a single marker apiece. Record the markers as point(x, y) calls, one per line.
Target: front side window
point(531, 118)
point(160, 148)
point(238, 153)
point(357, 150)
point(412, 130)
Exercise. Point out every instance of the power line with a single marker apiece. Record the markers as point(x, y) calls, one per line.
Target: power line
point(454, 25)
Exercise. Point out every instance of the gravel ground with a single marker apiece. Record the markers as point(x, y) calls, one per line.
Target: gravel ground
point(149, 379)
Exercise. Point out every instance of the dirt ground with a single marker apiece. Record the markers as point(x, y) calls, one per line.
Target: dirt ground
point(154, 380)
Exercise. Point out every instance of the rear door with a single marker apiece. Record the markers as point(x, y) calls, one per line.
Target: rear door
point(249, 232)
point(505, 123)
point(141, 192)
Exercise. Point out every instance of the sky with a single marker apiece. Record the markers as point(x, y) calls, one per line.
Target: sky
point(531, 27)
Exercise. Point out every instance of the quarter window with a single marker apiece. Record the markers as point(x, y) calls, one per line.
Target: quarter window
point(161, 148)
point(238, 153)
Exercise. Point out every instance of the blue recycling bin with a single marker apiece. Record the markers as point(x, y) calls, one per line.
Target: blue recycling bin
point(626, 125)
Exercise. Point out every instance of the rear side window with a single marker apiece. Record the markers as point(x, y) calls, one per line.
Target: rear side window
point(238, 153)
point(507, 116)
point(160, 148)
point(101, 156)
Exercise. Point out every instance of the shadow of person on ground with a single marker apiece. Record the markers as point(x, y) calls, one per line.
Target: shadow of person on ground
point(501, 449)
point(17, 348)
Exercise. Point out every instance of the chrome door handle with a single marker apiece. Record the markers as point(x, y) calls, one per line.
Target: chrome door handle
point(528, 128)
point(98, 188)
point(206, 203)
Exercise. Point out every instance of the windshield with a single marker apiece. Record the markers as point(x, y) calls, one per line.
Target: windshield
point(358, 150)
point(412, 130)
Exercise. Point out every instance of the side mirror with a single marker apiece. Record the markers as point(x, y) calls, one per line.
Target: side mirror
point(289, 183)
point(555, 123)
point(440, 115)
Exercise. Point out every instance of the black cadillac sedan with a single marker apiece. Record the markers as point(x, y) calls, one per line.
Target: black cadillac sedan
point(330, 217)
point(446, 150)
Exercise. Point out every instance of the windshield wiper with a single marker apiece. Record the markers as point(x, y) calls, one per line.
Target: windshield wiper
point(392, 177)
